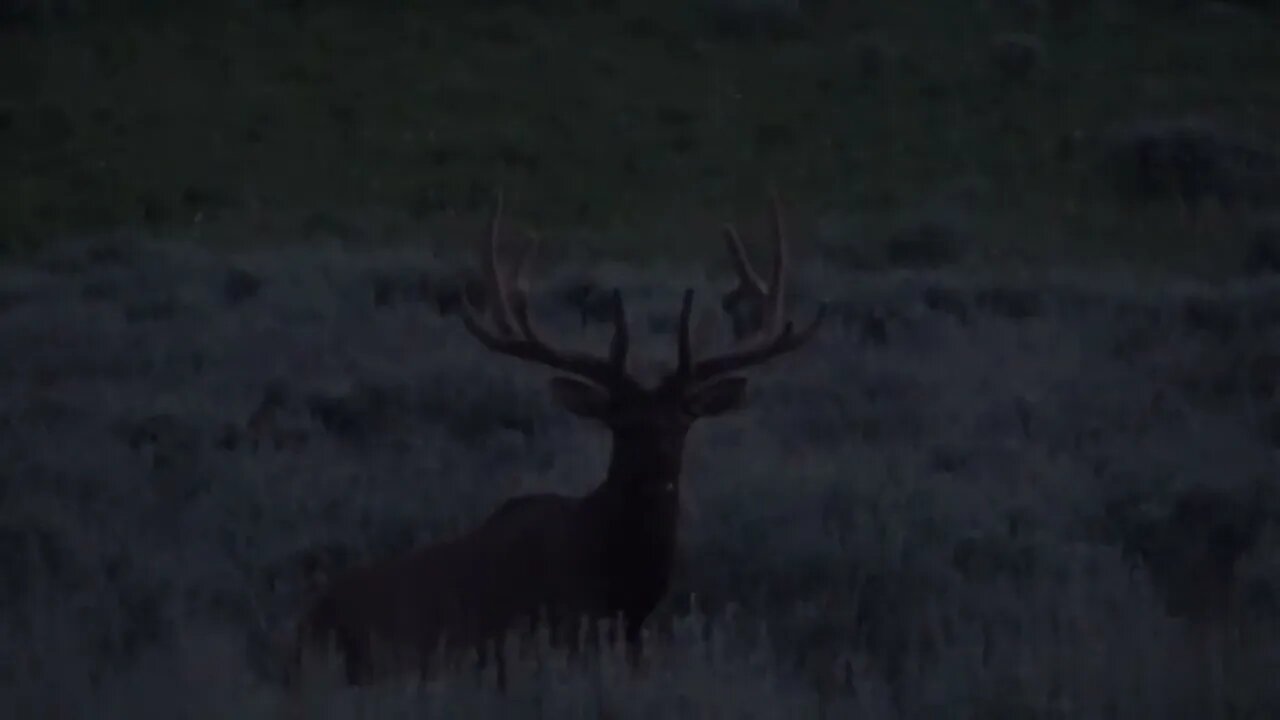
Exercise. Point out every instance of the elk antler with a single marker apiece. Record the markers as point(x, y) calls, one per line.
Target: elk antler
point(750, 284)
point(513, 332)
point(770, 340)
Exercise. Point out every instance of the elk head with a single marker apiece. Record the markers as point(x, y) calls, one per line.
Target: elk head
point(648, 424)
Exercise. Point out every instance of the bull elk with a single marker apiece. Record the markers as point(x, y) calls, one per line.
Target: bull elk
point(548, 557)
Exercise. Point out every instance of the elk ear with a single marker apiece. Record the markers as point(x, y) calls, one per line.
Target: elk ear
point(580, 398)
point(716, 397)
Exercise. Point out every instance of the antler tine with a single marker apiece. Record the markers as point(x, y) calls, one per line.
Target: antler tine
point(499, 306)
point(782, 343)
point(518, 291)
point(621, 337)
point(684, 351)
point(748, 278)
point(521, 309)
point(529, 345)
point(771, 293)
point(773, 341)
point(513, 332)
point(777, 280)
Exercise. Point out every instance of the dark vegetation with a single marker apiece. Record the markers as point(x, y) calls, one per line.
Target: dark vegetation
point(1021, 129)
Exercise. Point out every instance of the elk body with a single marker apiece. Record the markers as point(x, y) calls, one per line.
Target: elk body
point(547, 557)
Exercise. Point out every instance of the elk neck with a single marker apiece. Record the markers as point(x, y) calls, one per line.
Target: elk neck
point(638, 503)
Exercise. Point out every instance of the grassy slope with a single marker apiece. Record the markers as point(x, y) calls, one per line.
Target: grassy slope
point(642, 122)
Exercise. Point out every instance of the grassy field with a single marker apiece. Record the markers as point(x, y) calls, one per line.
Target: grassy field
point(624, 127)
point(960, 501)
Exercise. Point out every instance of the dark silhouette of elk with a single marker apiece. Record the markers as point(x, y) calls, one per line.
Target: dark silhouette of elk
point(547, 557)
